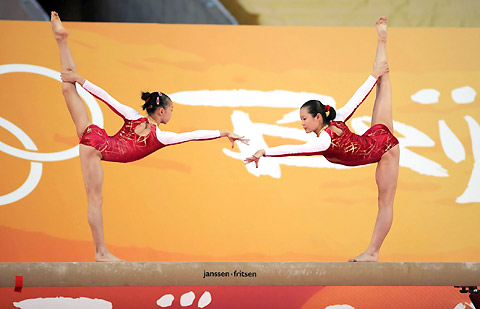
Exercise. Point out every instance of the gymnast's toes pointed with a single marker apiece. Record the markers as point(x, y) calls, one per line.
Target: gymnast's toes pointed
point(381, 26)
point(58, 30)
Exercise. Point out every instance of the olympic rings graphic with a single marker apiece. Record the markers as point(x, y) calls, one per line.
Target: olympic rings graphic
point(35, 167)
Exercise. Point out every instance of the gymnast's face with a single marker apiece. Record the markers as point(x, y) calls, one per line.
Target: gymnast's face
point(309, 122)
point(166, 112)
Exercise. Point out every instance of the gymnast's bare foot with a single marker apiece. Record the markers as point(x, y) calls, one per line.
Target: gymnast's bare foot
point(365, 257)
point(382, 28)
point(107, 257)
point(59, 31)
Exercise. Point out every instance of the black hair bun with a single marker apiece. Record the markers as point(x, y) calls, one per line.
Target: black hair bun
point(332, 114)
point(145, 95)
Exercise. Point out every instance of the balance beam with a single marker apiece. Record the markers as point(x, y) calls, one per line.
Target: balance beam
point(240, 274)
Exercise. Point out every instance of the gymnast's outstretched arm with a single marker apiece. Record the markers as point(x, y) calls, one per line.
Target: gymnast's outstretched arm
point(314, 147)
point(171, 138)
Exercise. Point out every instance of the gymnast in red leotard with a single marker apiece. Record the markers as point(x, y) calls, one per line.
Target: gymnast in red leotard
point(127, 145)
point(339, 145)
point(137, 138)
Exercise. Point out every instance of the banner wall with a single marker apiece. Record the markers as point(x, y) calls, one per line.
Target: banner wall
point(198, 201)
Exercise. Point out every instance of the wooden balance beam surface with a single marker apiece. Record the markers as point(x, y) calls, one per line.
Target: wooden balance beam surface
point(240, 273)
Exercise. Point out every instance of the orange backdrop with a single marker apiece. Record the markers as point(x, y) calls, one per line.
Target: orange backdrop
point(197, 201)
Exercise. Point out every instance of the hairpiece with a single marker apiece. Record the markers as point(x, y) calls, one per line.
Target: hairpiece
point(158, 100)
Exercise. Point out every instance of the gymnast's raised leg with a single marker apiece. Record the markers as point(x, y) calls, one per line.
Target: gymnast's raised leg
point(89, 157)
point(386, 174)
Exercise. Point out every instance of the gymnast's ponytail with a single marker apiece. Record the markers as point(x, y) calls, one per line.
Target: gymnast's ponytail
point(154, 100)
point(315, 107)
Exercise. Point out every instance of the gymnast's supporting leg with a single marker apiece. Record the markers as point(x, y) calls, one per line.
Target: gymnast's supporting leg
point(92, 172)
point(386, 174)
point(89, 157)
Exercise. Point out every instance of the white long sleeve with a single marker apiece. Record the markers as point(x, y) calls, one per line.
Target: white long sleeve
point(314, 146)
point(171, 138)
point(123, 111)
point(344, 113)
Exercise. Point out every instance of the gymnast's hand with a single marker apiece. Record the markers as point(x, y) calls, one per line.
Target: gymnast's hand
point(232, 137)
point(380, 69)
point(71, 77)
point(255, 158)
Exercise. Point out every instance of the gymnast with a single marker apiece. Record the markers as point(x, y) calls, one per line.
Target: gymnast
point(139, 136)
point(340, 146)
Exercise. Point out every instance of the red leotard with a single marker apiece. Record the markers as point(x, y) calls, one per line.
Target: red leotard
point(348, 148)
point(352, 149)
point(126, 145)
